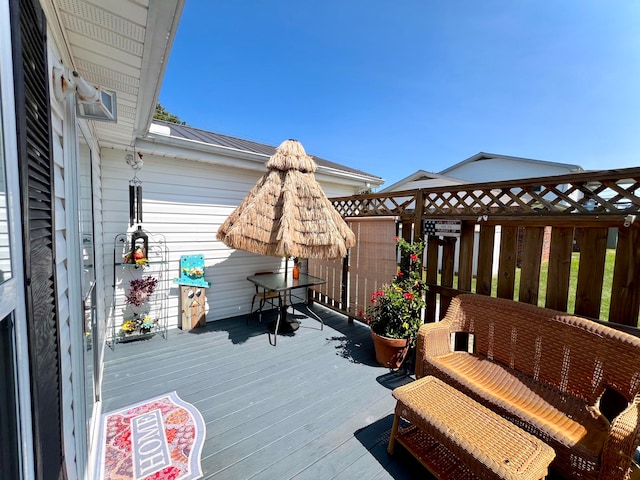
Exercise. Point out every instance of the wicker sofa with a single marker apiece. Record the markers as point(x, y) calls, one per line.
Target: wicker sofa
point(560, 377)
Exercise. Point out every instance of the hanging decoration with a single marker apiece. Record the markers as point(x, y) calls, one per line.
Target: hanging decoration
point(138, 248)
point(139, 242)
point(135, 189)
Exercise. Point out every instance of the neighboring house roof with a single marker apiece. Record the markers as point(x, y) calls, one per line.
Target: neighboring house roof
point(478, 157)
point(237, 144)
point(423, 179)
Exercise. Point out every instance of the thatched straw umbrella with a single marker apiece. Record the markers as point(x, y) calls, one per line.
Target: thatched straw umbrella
point(286, 214)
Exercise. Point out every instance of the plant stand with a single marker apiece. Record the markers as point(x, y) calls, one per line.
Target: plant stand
point(148, 316)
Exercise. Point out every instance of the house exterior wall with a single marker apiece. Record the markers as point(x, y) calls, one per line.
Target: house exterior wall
point(496, 169)
point(63, 261)
point(77, 419)
point(187, 201)
point(92, 414)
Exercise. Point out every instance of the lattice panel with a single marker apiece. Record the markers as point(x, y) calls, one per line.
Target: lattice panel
point(375, 205)
point(604, 193)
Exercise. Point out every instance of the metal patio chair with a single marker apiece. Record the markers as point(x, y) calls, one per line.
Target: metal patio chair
point(264, 296)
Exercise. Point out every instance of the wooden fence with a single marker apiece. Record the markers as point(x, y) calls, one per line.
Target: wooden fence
point(503, 226)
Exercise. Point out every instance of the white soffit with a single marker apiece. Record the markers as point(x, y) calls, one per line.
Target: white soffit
point(121, 45)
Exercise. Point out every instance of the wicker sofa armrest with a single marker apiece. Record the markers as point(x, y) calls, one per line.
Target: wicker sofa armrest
point(433, 339)
point(621, 443)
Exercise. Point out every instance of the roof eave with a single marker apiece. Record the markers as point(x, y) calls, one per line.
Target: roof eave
point(202, 151)
point(229, 156)
point(359, 178)
point(161, 29)
point(480, 155)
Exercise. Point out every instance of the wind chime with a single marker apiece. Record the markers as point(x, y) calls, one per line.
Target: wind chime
point(139, 244)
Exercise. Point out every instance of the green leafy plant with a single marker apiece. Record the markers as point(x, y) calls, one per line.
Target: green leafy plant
point(395, 309)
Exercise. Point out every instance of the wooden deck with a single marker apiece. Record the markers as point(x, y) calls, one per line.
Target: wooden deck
point(317, 406)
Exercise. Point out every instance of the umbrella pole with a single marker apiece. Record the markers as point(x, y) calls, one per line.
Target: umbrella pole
point(283, 312)
point(286, 267)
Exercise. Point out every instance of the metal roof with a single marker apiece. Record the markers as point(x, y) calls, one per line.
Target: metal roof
point(190, 133)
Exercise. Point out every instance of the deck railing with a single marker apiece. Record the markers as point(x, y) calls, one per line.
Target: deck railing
point(502, 226)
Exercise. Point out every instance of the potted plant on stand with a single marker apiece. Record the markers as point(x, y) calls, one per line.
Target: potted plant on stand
point(395, 312)
point(137, 319)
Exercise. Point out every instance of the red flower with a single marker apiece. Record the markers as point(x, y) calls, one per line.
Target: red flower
point(400, 274)
point(376, 294)
point(408, 296)
point(414, 257)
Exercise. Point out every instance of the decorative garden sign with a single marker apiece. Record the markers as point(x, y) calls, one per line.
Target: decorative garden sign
point(192, 291)
point(442, 228)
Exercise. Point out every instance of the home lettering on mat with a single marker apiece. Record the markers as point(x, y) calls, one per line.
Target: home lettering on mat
point(149, 444)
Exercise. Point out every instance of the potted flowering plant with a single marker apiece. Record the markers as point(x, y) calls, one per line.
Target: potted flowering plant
point(140, 289)
point(138, 324)
point(395, 312)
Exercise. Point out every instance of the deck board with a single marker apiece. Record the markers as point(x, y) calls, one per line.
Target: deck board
point(316, 406)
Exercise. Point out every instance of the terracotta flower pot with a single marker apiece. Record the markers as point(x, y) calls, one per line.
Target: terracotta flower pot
point(390, 352)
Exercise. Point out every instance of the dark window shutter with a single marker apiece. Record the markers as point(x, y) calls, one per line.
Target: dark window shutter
point(8, 424)
point(31, 75)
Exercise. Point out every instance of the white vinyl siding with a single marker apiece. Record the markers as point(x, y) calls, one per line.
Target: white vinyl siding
point(423, 183)
point(68, 281)
point(187, 201)
point(62, 285)
point(5, 254)
point(101, 281)
point(495, 169)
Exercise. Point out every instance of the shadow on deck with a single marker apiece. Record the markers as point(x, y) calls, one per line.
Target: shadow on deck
point(317, 406)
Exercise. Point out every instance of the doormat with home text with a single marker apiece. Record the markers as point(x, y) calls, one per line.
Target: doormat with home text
point(158, 439)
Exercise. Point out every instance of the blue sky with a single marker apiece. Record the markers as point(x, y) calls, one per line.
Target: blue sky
point(390, 87)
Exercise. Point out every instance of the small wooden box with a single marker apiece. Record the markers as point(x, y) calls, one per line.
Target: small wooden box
point(193, 307)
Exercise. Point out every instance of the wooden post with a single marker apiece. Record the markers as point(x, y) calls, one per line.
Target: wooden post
point(593, 245)
point(625, 294)
point(531, 262)
point(432, 277)
point(507, 262)
point(344, 290)
point(446, 278)
point(560, 268)
point(465, 262)
point(418, 227)
point(485, 259)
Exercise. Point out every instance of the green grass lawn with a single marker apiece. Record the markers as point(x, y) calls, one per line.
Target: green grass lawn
point(542, 292)
point(575, 260)
point(573, 281)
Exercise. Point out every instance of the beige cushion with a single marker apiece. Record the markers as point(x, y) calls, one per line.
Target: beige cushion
point(566, 419)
